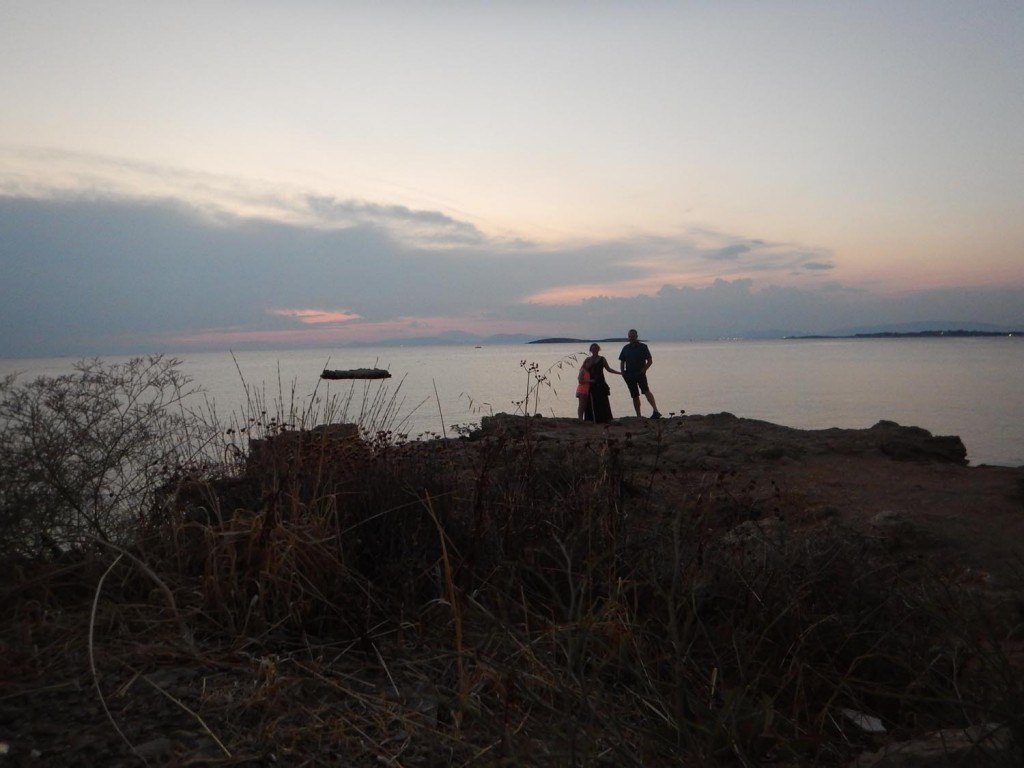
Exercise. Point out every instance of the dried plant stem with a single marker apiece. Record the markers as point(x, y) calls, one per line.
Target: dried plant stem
point(444, 434)
point(92, 658)
point(189, 711)
point(386, 671)
point(449, 585)
point(185, 633)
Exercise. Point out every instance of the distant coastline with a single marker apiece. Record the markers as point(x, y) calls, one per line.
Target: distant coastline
point(946, 334)
point(914, 335)
point(566, 340)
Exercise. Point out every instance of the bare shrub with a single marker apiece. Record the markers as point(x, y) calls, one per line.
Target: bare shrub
point(82, 454)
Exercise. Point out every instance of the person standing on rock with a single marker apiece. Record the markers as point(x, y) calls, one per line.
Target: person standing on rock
point(583, 389)
point(598, 408)
point(634, 360)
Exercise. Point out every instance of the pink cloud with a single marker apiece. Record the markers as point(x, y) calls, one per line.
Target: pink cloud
point(663, 272)
point(316, 316)
point(647, 285)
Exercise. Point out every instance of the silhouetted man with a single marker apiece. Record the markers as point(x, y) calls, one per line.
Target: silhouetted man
point(634, 360)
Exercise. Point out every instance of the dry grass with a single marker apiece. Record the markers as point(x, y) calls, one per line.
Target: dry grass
point(498, 601)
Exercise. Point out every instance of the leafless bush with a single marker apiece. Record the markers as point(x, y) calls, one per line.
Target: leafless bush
point(82, 454)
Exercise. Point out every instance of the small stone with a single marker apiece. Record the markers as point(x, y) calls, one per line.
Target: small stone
point(204, 745)
point(825, 512)
point(867, 723)
point(158, 747)
point(893, 523)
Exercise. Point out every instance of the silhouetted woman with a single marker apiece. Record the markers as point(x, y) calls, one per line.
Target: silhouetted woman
point(599, 409)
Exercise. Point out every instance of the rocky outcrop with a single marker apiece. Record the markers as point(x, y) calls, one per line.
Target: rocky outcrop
point(290, 462)
point(901, 485)
point(729, 438)
point(916, 444)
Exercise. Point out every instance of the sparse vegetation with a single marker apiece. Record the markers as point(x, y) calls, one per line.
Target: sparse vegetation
point(82, 455)
point(338, 593)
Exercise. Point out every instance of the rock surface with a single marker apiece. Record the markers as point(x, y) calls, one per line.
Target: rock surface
point(903, 484)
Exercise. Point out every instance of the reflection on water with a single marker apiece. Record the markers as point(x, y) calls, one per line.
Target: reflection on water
point(969, 387)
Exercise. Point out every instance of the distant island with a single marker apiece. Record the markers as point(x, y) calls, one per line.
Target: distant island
point(564, 340)
point(946, 334)
point(915, 335)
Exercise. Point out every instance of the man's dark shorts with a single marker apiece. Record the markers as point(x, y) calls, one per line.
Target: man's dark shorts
point(637, 383)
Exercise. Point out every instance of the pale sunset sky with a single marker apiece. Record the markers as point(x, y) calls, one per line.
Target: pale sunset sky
point(212, 175)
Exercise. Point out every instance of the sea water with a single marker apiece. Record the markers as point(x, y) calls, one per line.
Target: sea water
point(971, 387)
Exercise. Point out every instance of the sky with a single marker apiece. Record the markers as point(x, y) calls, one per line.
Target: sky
point(214, 175)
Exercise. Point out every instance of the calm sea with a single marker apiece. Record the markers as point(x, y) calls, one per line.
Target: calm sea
point(971, 387)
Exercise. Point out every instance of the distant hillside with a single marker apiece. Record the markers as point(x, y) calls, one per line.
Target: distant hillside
point(452, 337)
point(565, 340)
point(908, 330)
point(917, 327)
point(917, 335)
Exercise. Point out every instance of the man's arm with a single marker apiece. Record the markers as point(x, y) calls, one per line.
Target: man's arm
point(649, 361)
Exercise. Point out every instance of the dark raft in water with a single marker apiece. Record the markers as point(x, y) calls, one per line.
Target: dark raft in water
point(357, 373)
